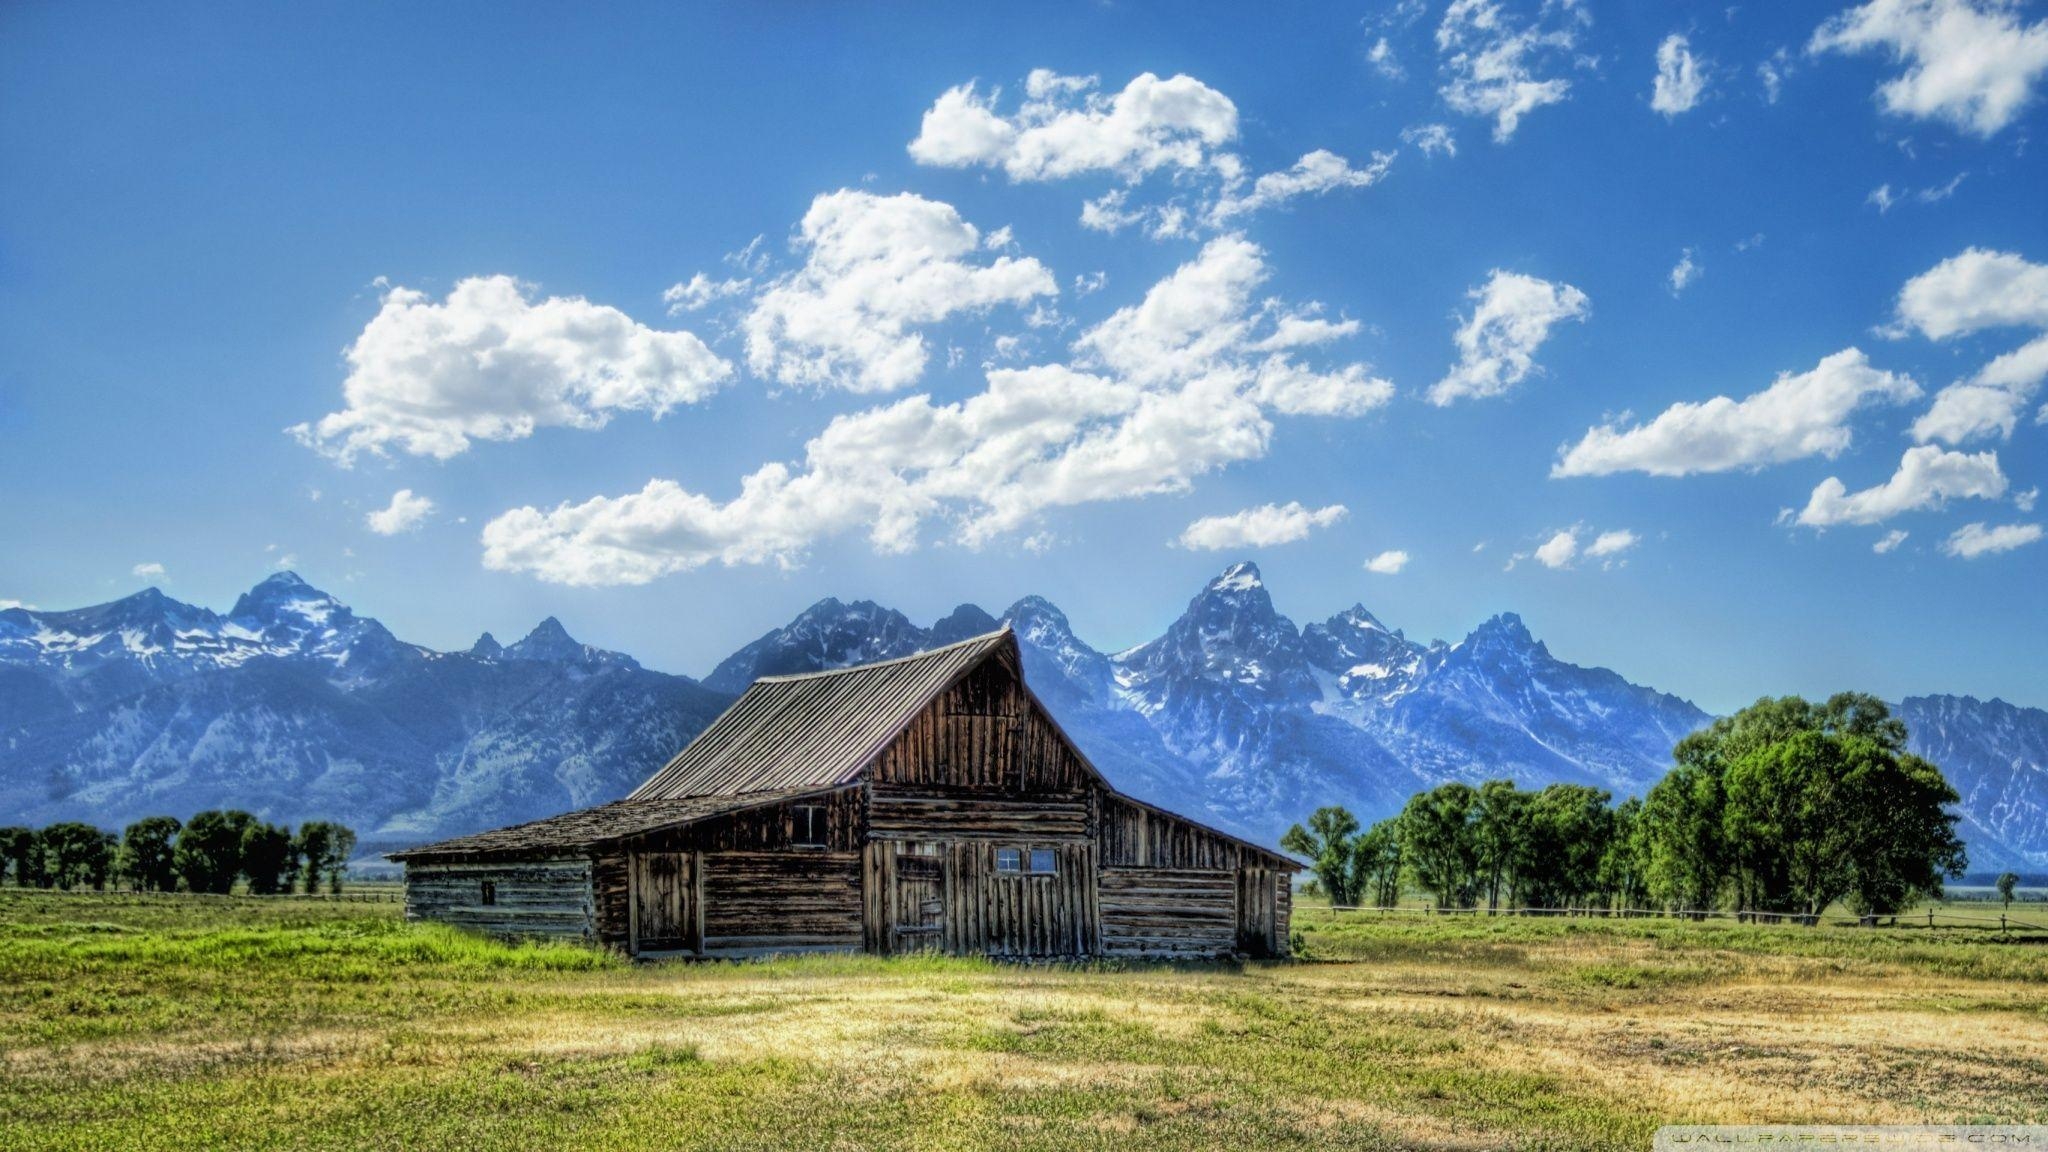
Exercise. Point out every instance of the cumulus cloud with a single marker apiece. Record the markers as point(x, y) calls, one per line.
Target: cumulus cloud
point(1974, 540)
point(150, 570)
point(1318, 172)
point(405, 513)
point(491, 363)
point(1889, 541)
point(1157, 394)
point(1683, 273)
point(1560, 550)
point(1972, 292)
point(1799, 415)
point(1490, 63)
point(1388, 563)
point(1430, 139)
point(1565, 548)
point(1928, 477)
point(875, 268)
point(1497, 343)
point(1681, 79)
point(1260, 527)
point(1383, 60)
point(1970, 63)
point(1066, 127)
point(700, 291)
point(1613, 543)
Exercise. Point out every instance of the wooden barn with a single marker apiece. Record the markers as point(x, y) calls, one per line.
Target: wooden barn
point(922, 803)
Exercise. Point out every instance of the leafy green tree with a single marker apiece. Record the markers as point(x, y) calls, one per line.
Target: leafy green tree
point(1903, 832)
point(146, 854)
point(21, 851)
point(325, 848)
point(1327, 843)
point(208, 855)
point(1623, 879)
point(269, 858)
point(1683, 843)
point(1376, 865)
point(1569, 828)
point(1500, 836)
point(2007, 882)
point(1437, 843)
point(76, 854)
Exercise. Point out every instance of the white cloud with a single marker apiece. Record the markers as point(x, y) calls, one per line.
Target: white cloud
point(700, 290)
point(1560, 550)
point(1939, 192)
point(148, 571)
point(24, 605)
point(1318, 172)
point(1974, 540)
point(1430, 139)
point(1260, 527)
point(876, 267)
point(1497, 343)
point(1089, 283)
point(1490, 64)
point(1928, 477)
point(1797, 416)
point(1684, 272)
point(1971, 63)
point(1973, 291)
point(1883, 197)
point(1381, 57)
point(1066, 128)
point(405, 513)
point(1388, 563)
point(1613, 543)
point(1156, 395)
point(1681, 79)
point(1773, 72)
point(1889, 541)
point(2024, 501)
point(489, 363)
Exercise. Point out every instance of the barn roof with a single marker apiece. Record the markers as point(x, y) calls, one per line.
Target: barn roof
point(815, 730)
point(573, 831)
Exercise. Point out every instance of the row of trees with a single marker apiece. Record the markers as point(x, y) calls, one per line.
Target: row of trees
point(1785, 807)
point(208, 853)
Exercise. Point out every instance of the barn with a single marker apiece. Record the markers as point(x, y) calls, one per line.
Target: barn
point(925, 803)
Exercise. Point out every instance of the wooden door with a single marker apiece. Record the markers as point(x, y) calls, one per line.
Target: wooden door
point(664, 902)
point(920, 898)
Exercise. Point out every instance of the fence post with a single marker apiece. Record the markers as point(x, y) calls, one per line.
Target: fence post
point(1930, 917)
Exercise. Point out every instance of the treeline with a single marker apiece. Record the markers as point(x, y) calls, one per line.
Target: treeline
point(1786, 807)
point(208, 853)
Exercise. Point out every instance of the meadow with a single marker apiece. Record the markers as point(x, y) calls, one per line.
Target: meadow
point(177, 1022)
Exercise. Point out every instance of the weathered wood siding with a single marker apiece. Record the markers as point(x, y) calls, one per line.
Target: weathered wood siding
point(1136, 836)
point(1171, 913)
point(983, 734)
point(1261, 915)
point(532, 897)
point(755, 903)
point(980, 910)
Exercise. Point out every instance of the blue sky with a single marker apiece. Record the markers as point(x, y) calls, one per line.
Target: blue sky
point(1051, 335)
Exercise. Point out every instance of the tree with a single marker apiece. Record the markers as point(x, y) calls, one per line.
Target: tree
point(1438, 845)
point(208, 855)
point(1623, 879)
point(1568, 830)
point(76, 854)
point(1683, 844)
point(1327, 843)
point(2007, 881)
point(269, 858)
point(1376, 865)
point(1500, 836)
point(21, 850)
point(1904, 835)
point(146, 854)
point(325, 847)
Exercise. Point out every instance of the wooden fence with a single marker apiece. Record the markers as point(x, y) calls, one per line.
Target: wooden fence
point(1927, 918)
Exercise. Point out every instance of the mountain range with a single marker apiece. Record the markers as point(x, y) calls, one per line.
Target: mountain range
point(293, 707)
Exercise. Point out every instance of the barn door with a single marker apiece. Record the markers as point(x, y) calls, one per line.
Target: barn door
point(664, 905)
point(919, 903)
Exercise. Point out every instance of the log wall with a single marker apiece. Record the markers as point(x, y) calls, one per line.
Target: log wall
point(756, 903)
point(533, 897)
point(981, 910)
point(1169, 913)
point(983, 734)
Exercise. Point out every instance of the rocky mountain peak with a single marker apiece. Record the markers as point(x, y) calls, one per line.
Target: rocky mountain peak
point(968, 620)
point(487, 647)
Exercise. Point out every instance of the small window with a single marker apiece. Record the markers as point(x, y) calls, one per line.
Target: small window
point(1044, 862)
point(1009, 860)
point(808, 826)
point(489, 895)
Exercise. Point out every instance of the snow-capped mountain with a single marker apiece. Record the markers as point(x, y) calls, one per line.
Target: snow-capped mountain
point(294, 707)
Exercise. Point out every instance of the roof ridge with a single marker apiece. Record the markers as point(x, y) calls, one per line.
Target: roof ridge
point(927, 654)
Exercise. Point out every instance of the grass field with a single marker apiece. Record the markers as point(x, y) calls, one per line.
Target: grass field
point(182, 1023)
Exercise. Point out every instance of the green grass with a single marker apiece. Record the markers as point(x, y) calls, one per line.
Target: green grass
point(174, 1022)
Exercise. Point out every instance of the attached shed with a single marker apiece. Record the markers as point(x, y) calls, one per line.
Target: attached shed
point(926, 803)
